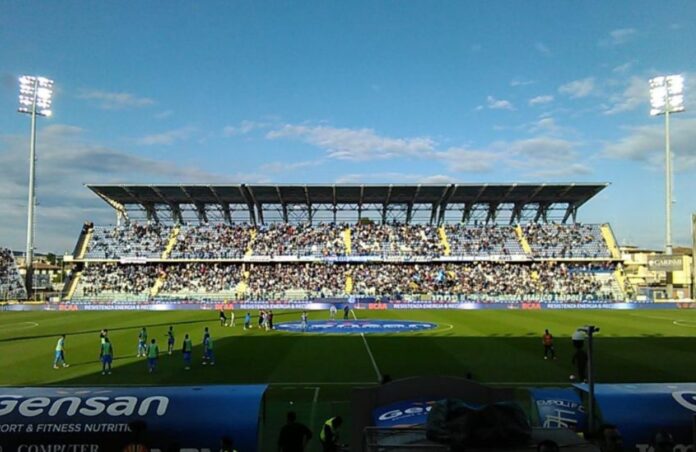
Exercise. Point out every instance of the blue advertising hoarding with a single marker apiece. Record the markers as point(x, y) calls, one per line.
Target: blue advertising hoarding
point(101, 419)
point(642, 410)
point(559, 408)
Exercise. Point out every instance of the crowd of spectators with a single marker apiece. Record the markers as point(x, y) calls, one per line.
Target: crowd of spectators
point(11, 284)
point(218, 241)
point(284, 239)
point(130, 240)
point(482, 240)
point(324, 279)
point(372, 239)
point(222, 241)
point(112, 278)
point(566, 240)
point(273, 281)
point(481, 278)
point(200, 278)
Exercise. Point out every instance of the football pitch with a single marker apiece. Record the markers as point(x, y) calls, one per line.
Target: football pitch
point(313, 374)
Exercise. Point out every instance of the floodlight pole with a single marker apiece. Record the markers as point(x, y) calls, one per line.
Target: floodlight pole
point(29, 255)
point(668, 202)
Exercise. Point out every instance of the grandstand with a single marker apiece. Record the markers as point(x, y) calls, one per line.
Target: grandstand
point(401, 242)
point(11, 282)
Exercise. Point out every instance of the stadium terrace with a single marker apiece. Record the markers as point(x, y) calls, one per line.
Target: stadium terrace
point(398, 243)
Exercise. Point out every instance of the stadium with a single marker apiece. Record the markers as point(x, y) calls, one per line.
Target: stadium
point(365, 226)
point(409, 283)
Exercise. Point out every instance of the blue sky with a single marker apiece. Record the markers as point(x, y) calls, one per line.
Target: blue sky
point(411, 91)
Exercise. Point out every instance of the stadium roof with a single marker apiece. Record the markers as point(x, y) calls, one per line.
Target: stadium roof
point(439, 201)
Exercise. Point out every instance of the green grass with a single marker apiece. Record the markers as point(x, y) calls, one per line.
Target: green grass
point(498, 347)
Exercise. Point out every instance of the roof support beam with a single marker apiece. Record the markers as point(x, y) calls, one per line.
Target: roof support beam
point(283, 205)
point(516, 216)
point(386, 204)
point(466, 213)
point(492, 212)
point(225, 207)
point(173, 208)
point(360, 202)
point(444, 199)
point(571, 211)
point(243, 190)
point(542, 212)
point(309, 204)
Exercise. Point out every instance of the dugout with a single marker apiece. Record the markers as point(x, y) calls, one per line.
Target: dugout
point(390, 417)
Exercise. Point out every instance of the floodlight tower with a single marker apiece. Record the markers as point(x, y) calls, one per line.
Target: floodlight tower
point(667, 96)
point(35, 95)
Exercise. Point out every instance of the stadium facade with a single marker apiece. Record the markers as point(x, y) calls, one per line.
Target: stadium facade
point(418, 243)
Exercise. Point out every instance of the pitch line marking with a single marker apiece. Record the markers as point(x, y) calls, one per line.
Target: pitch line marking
point(315, 399)
point(369, 352)
point(685, 323)
point(14, 325)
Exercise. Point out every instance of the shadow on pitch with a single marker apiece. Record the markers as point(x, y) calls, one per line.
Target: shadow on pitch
point(260, 357)
point(96, 332)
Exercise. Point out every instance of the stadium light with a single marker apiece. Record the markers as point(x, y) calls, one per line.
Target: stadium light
point(667, 96)
point(35, 97)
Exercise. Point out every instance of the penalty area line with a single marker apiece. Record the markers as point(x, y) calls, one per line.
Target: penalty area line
point(369, 352)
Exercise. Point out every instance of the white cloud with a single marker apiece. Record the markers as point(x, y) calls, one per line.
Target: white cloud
point(623, 68)
point(283, 167)
point(521, 82)
point(634, 95)
point(394, 177)
point(540, 100)
point(646, 144)
point(242, 128)
point(618, 37)
point(164, 114)
point(354, 144)
point(538, 153)
point(167, 138)
point(115, 100)
point(561, 172)
point(542, 48)
point(498, 104)
point(545, 125)
point(578, 88)
point(65, 161)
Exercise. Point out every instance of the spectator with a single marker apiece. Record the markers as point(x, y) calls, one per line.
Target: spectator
point(294, 436)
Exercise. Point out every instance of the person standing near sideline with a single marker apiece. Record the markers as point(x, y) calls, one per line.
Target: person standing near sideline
point(223, 317)
point(142, 342)
point(247, 321)
point(332, 312)
point(59, 357)
point(547, 340)
point(294, 435)
point(231, 317)
point(329, 434)
point(304, 321)
point(152, 356)
point(346, 311)
point(106, 355)
point(170, 340)
point(186, 350)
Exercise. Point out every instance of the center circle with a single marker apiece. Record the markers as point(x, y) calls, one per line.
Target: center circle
point(356, 326)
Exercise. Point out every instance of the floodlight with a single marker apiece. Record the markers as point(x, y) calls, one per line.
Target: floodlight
point(35, 95)
point(666, 94)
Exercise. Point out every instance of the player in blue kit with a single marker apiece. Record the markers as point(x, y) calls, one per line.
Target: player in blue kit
point(60, 353)
point(106, 355)
point(142, 342)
